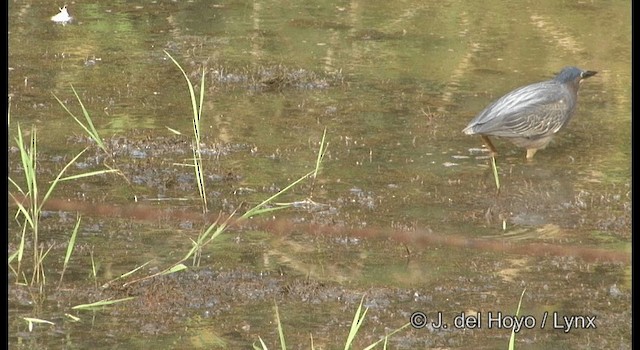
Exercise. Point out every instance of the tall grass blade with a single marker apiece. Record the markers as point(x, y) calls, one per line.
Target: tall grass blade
point(26, 213)
point(31, 214)
point(192, 93)
point(100, 304)
point(70, 246)
point(91, 173)
point(89, 128)
point(19, 253)
point(358, 319)
point(259, 209)
point(174, 269)
point(39, 267)
point(386, 337)
point(197, 115)
point(494, 166)
point(73, 318)
point(31, 321)
point(321, 153)
point(512, 338)
point(126, 274)
point(94, 269)
point(55, 182)
point(283, 344)
point(173, 131)
point(264, 346)
point(32, 211)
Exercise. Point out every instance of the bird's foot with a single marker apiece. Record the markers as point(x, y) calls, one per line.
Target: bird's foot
point(530, 153)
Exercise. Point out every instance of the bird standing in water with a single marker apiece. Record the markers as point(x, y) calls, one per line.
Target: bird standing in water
point(62, 16)
point(531, 115)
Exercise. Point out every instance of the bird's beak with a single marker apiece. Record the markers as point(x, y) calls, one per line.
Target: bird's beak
point(587, 73)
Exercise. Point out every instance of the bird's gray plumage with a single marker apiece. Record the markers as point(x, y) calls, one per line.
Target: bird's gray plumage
point(530, 115)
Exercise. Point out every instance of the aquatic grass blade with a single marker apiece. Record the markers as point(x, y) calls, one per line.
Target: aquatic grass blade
point(197, 159)
point(55, 182)
point(494, 166)
point(94, 268)
point(174, 269)
point(197, 115)
point(192, 93)
point(386, 337)
point(91, 173)
point(270, 209)
point(198, 164)
point(101, 303)
point(321, 152)
point(133, 271)
point(70, 246)
point(358, 319)
point(203, 239)
point(202, 80)
point(512, 338)
point(217, 228)
point(174, 131)
point(26, 213)
point(264, 346)
point(126, 274)
point(27, 157)
point(357, 322)
point(87, 117)
point(73, 318)
point(207, 236)
point(31, 321)
point(259, 209)
point(39, 270)
point(15, 184)
point(59, 177)
point(89, 128)
point(19, 253)
point(12, 256)
point(283, 344)
point(31, 213)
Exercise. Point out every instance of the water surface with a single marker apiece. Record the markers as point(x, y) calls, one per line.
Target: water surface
point(406, 208)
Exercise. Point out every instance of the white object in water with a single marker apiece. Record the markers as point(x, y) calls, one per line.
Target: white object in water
point(63, 16)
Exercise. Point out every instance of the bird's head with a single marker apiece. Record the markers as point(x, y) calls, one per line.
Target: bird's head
point(573, 75)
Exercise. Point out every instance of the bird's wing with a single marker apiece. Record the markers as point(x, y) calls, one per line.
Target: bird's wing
point(530, 111)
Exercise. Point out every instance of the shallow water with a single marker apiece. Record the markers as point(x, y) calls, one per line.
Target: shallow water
point(404, 211)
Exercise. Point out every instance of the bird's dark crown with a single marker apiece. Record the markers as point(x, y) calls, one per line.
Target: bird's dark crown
point(569, 74)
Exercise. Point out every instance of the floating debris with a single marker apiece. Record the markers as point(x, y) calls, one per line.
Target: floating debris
point(475, 151)
point(276, 78)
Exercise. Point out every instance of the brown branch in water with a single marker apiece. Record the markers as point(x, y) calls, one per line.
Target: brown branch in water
point(416, 238)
